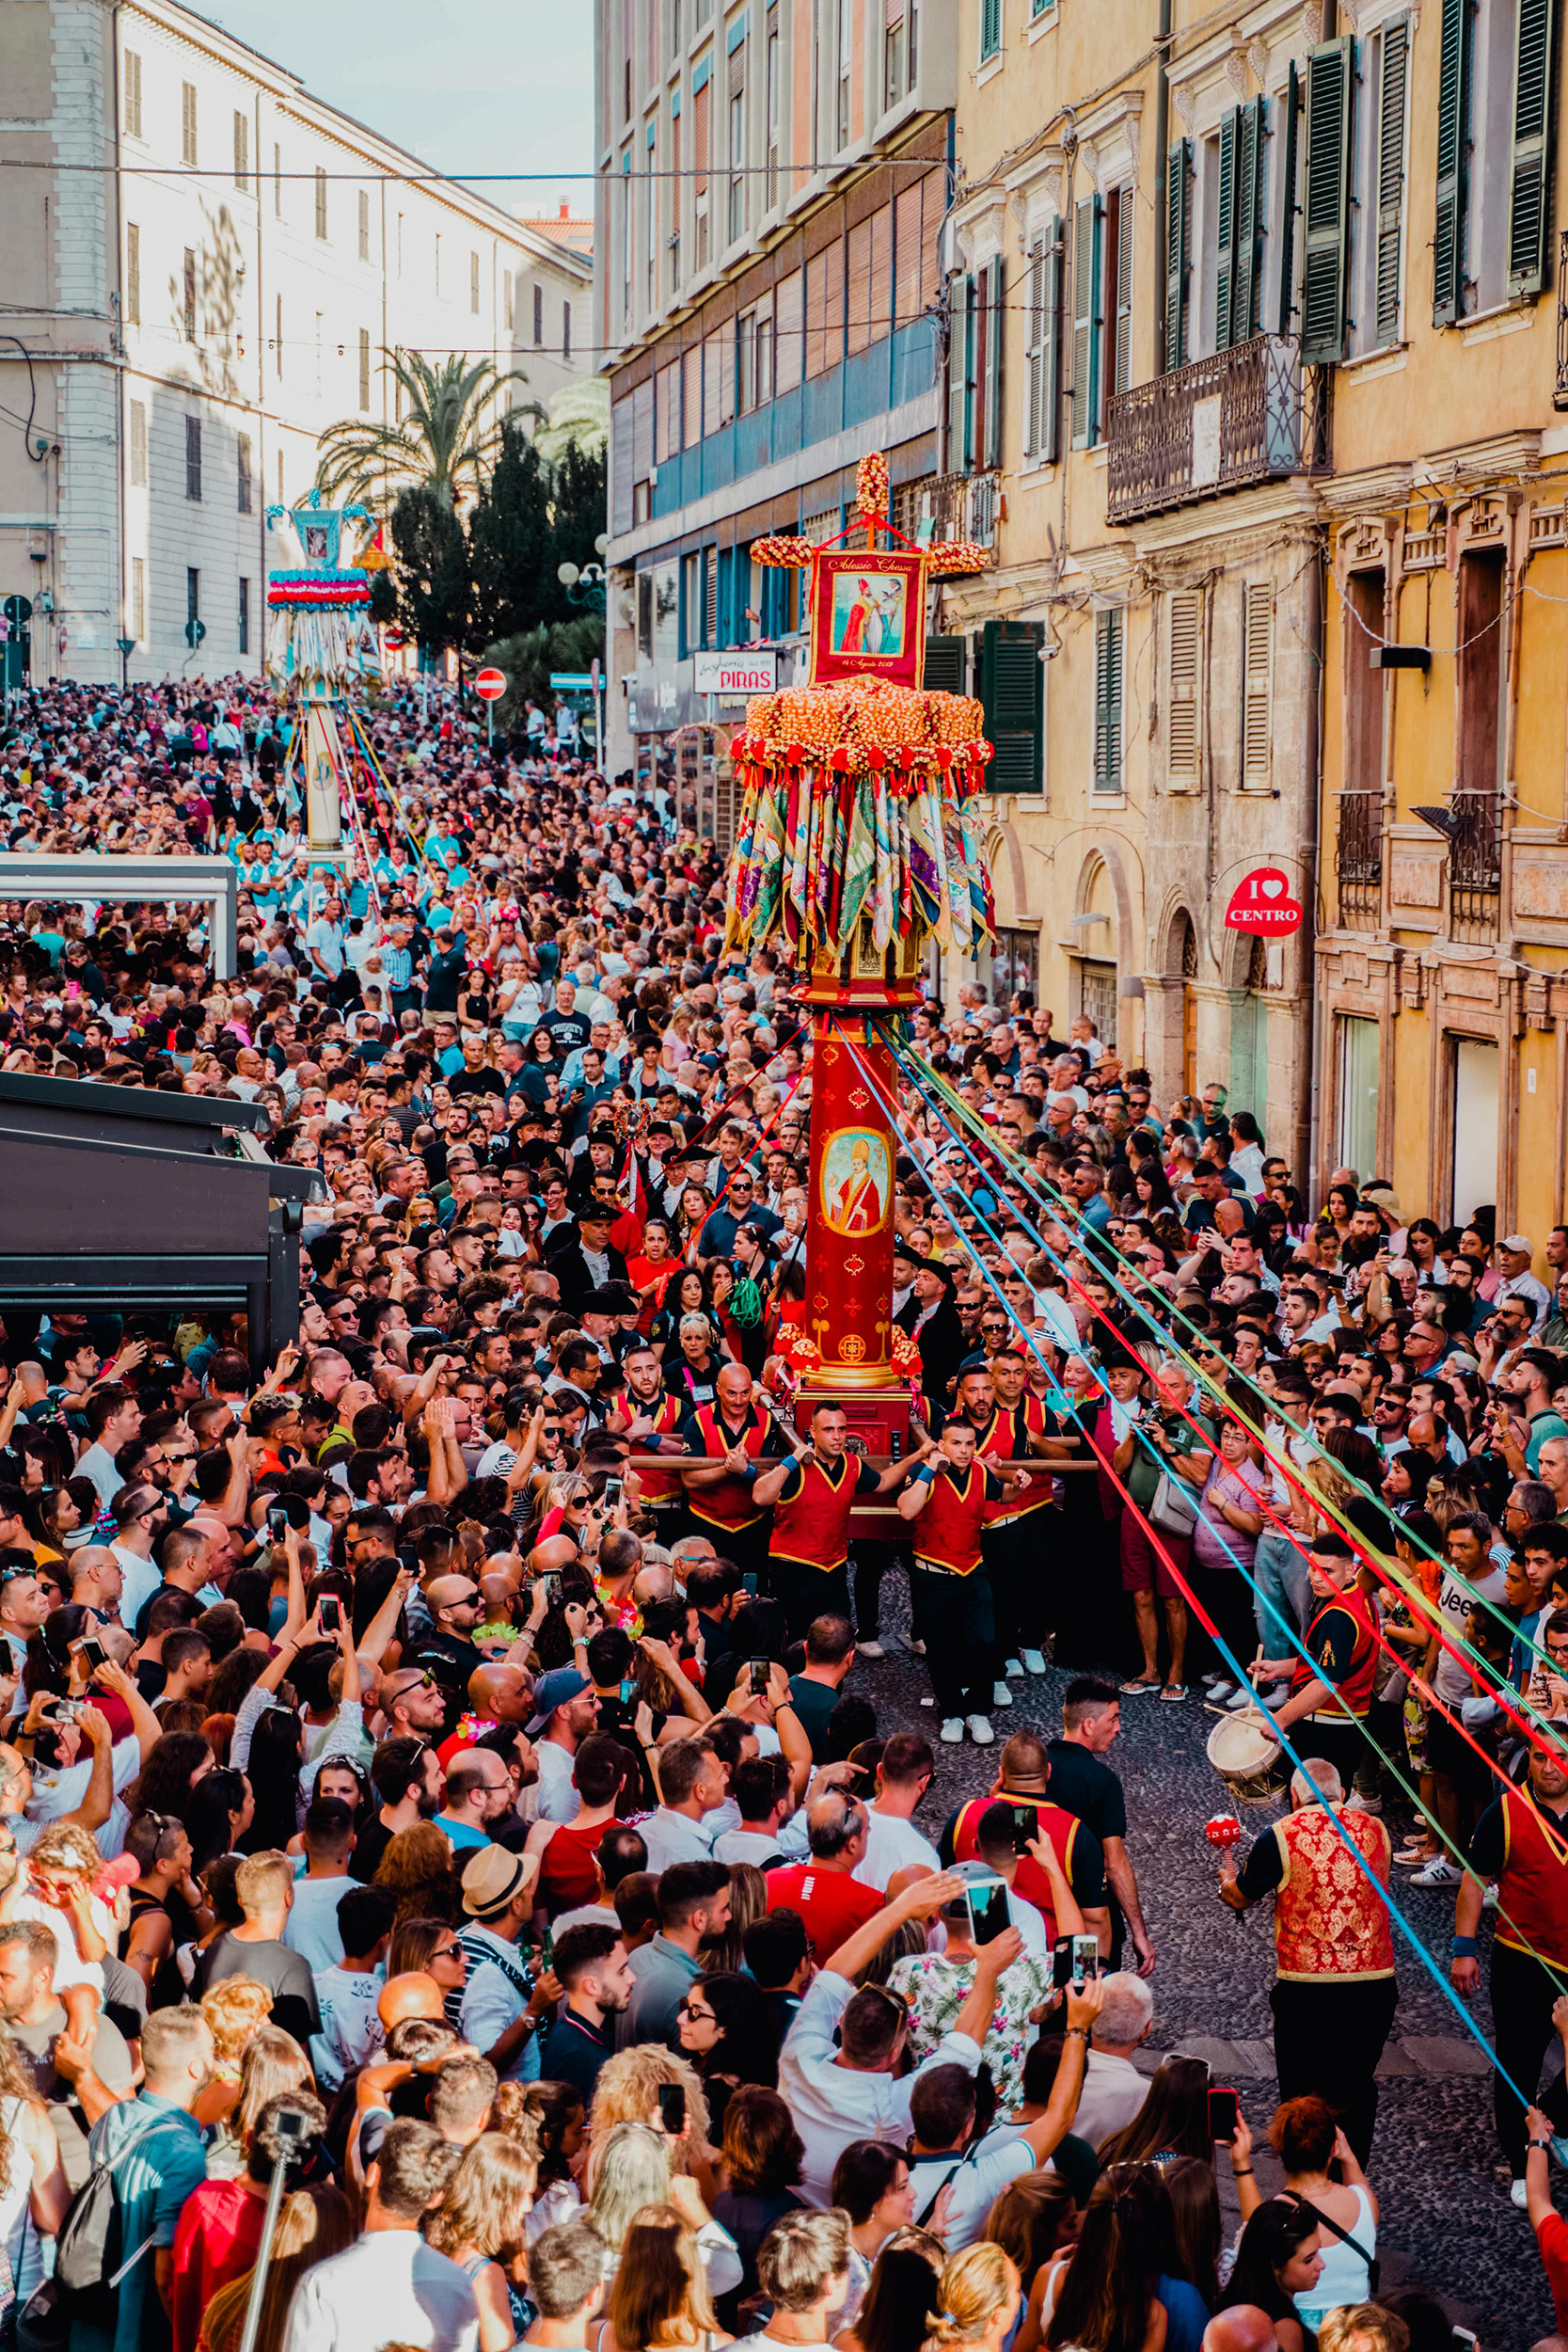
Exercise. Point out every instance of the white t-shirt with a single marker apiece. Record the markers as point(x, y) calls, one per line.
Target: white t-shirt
point(312, 1926)
point(891, 1844)
point(672, 1838)
point(558, 1797)
point(57, 1793)
point(834, 2104)
point(351, 2031)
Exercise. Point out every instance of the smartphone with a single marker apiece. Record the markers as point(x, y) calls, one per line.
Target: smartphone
point(1223, 2114)
point(1026, 1827)
point(614, 1490)
point(672, 2109)
point(277, 1523)
point(550, 1578)
point(1085, 1957)
point(331, 1615)
point(989, 1915)
point(760, 1670)
point(94, 1651)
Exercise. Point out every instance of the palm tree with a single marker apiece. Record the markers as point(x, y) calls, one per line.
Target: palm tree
point(449, 432)
point(578, 418)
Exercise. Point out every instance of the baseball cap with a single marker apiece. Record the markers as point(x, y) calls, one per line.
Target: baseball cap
point(559, 1688)
point(495, 1877)
point(1518, 1241)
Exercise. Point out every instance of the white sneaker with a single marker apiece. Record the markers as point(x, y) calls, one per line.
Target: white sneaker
point(1440, 1871)
point(979, 1731)
point(1011, 1666)
point(870, 1650)
point(1000, 1694)
point(1221, 1693)
point(953, 1730)
point(1518, 2195)
point(1034, 1662)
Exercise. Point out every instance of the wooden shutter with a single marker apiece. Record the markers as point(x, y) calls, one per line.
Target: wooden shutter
point(907, 300)
point(620, 464)
point(945, 665)
point(1178, 170)
point(1050, 445)
point(816, 282)
point(1453, 136)
point(700, 100)
point(1085, 307)
point(789, 323)
point(859, 287)
point(1329, 73)
point(1534, 57)
point(1182, 708)
point(881, 314)
point(1034, 336)
point(1107, 701)
point(1225, 230)
point(1288, 208)
point(1121, 353)
point(1393, 81)
point(1257, 680)
point(990, 452)
point(1248, 267)
point(961, 382)
point(1012, 700)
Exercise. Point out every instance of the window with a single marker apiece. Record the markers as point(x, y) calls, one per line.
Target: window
point(473, 285)
point(771, 104)
point(242, 447)
point(824, 321)
point(1257, 682)
point(138, 592)
point(1357, 1058)
point(1087, 321)
point(737, 144)
point(745, 360)
point(710, 596)
point(244, 614)
point(626, 239)
point(667, 413)
point(132, 94)
point(365, 228)
point(242, 151)
point(990, 29)
point(1011, 688)
point(365, 368)
point(691, 607)
point(193, 458)
point(138, 445)
point(788, 331)
point(538, 317)
point(193, 595)
point(565, 330)
point(677, 196)
point(916, 211)
point(892, 55)
point(870, 291)
point(188, 295)
point(133, 274)
point(719, 377)
point(1117, 365)
point(1330, 73)
point(701, 102)
point(187, 122)
point(1042, 348)
point(1239, 209)
point(1494, 103)
point(691, 395)
point(1108, 657)
point(321, 202)
point(1184, 721)
point(1178, 231)
point(1358, 855)
point(509, 300)
point(1393, 76)
point(764, 366)
point(845, 57)
point(650, 296)
point(977, 383)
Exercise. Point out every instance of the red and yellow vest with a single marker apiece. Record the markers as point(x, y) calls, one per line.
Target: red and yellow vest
point(1532, 1889)
point(1030, 1881)
point(729, 1504)
point(1329, 1920)
point(1006, 1439)
point(813, 1530)
point(947, 1532)
point(1352, 1695)
point(663, 1485)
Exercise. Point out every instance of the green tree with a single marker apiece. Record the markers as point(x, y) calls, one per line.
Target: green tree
point(582, 511)
point(579, 416)
point(451, 433)
point(528, 658)
point(434, 587)
point(511, 544)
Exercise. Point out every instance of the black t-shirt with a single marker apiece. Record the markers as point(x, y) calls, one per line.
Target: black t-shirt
point(568, 1030)
point(451, 1661)
point(369, 1844)
point(285, 1974)
point(475, 1081)
point(1081, 1785)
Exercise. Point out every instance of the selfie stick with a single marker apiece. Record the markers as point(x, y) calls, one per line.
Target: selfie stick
point(291, 2150)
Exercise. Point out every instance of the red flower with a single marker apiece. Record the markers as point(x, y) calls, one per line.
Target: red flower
point(876, 757)
point(839, 757)
point(795, 754)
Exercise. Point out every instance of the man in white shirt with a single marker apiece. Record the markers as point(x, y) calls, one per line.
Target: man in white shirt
point(391, 2286)
point(836, 2068)
point(1512, 1258)
point(1113, 2091)
point(115, 1418)
point(566, 1709)
point(891, 1841)
point(764, 1800)
point(500, 2005)
point(140, 1515)
point(692, 1782)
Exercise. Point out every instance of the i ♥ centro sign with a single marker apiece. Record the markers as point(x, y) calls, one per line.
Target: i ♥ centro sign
point(1261, 903)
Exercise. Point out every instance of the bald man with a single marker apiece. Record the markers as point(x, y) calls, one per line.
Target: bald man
point(556, 1551)
point(1244, 2327)
point(446, 1652)
point(97, 1580)
point(501, 1693)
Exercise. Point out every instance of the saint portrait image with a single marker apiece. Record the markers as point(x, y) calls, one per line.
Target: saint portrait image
point(856, 1182)
point(317, 548)
point(868, 614)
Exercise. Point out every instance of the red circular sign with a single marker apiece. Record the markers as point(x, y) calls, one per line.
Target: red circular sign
point(1261, 903)
point(490, 685)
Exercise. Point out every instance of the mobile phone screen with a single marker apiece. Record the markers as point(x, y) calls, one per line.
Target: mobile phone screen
point(613, 1490)
point(672, 2109)
point(759, 1675)
point(1222, 2114)
point(987, 1909)
point(550, 1578)
point(1085, 1957)
point(94, 1651)
point(1061, 1962)
point(1026, 1825)
point(331, 1616)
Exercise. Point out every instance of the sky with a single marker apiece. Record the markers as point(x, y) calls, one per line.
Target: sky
point(468, 85)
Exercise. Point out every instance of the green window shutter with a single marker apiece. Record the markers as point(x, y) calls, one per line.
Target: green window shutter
point(990, 28)
point(1291, 103)
point(1086, 319)
point(1050, 443)
point(1248, 222)
point(1107, 700)
point(945, 665)
point(1329, 71)
point(959, 379)
point(1012, 700)
point(991, 454)
point(1224, 232)
point(1453, 138)
point(1121, 354)
point(1042, 344)
point(1393, 84)
point(1178, 169)
point(1034, 327)
point(1529, 162)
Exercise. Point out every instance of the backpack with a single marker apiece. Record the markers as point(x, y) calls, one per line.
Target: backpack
point(91, 2260)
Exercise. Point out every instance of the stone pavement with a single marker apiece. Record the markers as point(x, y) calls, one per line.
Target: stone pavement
point(1446, 2223)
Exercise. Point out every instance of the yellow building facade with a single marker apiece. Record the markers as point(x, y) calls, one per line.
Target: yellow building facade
point(1254, 321)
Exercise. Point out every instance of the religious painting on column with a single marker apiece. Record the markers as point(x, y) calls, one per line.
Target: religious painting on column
point(868, 617)
point(856, 1187)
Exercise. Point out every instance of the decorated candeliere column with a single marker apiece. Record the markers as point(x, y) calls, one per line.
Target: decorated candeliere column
point(321, 643)
point(858, 844)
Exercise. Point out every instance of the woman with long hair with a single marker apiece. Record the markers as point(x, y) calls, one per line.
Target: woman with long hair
point(979, 2303)
point(632, 2168)
point(221, 1811)
point(313, 2224)
point(1195, 2212)
point(1278, 2260)
point(902, 2295)
point(33, 2188)
point(174, 1764)
point(747, 1903)
point(1106, 2299)
point(481, 2225)
point(1173, 2120)
point(57, 1511)
point(660, 2296)
point(555, 2115)
point(417, 1867)
point(429, 1947)
point(273, 2064)
point(1307, 2140)
point(763, 2155)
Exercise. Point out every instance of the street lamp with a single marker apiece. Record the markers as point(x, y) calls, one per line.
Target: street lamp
point(584, 585)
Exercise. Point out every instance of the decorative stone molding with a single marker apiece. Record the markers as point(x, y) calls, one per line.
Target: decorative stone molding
point(1108, 139)
point(1366, 492)
point(1235, 65)
point(1361, 542)
point(1548, 527)
point(1258, 57)
point(1038, 192)
point(979, 227)
point(1185, 100)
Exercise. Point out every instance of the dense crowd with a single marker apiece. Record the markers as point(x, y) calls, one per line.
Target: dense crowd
point(431, 1768)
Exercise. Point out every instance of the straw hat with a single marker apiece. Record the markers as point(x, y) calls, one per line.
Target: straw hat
point(1244, 1749)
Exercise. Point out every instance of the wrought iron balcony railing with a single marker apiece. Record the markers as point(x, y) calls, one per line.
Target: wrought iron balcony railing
point(1249, 414)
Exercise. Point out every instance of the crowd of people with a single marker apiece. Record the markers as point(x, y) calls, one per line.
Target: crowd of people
point(445, 1763)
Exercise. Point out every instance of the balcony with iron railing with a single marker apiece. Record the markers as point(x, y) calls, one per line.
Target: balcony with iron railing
point(1358, 860)
point(1475, 868)
point(1250, 414)
point(939, 506)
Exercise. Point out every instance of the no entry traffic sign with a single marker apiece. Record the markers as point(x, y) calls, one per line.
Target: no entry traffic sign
point(490, 685)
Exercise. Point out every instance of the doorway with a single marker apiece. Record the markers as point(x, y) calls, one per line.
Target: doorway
point(1357, 1085)
point(1475, 1126)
